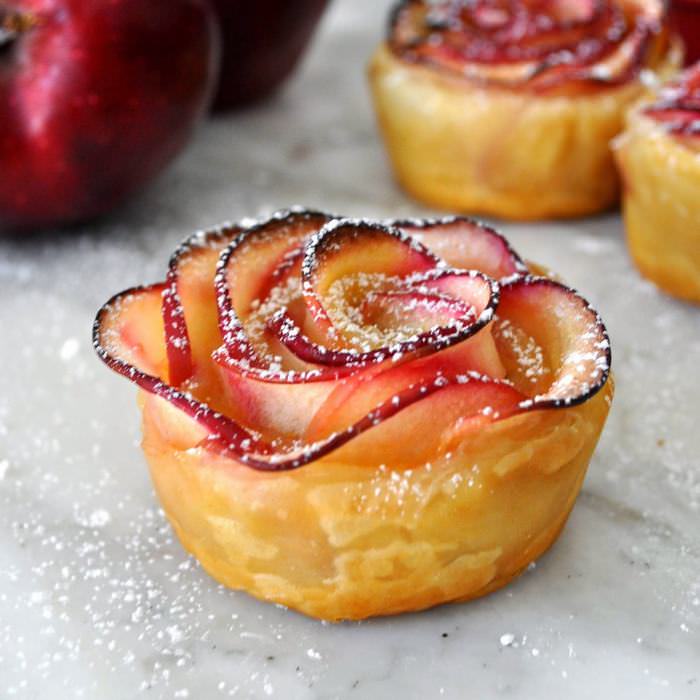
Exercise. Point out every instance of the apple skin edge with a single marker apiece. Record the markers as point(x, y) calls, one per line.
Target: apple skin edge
point(96, 99)
point(129, 332)
point(263, 41)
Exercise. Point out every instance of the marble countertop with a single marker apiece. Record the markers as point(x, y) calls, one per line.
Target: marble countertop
point(98, 600)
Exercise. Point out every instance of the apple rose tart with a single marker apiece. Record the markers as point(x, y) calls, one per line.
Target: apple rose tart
point(507, 107)
point(355, 418)
point(659, 158)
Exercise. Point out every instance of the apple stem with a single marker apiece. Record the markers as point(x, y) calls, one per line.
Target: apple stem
point(12, 24)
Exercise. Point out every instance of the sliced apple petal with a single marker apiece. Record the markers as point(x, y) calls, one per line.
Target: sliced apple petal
point(129, 324)
point(466, 244)
point(278, 405)
point(677, 105)
point(347, 248)
point(189, 303)
point(128, 336)
point(413, 310)
point(481, 399)
point(544, 324)
point(464, 407)
point(474, 294)
point(354, 397)
point(252, 266)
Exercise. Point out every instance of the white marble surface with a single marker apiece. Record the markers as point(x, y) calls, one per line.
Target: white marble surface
point(97, 599)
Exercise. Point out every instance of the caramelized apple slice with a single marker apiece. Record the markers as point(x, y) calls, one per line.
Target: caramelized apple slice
point(544, 325)
point(473, 298)
point(347, 249)
point(351, 399)
point(259, 265)
point(253, 265)
point(189, 303)
point(278, 403)
point(466, 244)
point(280, 418)
point(121, 321)
point(466, 397)
point(677, 106)
point(128, 336)
point(520, 46)
point(465, 404)
point(418, 311)
point(129, 326)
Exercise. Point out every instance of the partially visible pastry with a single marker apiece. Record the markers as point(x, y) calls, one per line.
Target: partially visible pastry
point(659, 159)
point(353, 418)
point(508, 108)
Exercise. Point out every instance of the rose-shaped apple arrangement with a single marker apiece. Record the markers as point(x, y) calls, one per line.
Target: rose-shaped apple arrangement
point(96, 99)
point(355, 418)
point(659, 158)
point(507, 107)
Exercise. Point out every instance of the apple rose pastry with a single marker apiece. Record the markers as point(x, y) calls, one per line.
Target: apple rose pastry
point(659, 158)
point(353, 418)
point(507, 107)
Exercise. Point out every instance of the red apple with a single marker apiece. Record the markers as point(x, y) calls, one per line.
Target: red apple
point(685, 19)
point(263, 42)
point(96, 98)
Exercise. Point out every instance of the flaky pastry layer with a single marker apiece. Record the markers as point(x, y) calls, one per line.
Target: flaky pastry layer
point(460, 146)
point(341, 539)
point(661, 204)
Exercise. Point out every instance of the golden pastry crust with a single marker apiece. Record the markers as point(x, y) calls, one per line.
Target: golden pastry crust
point(466, 146)
point(661, 206)
point(430, 467)
point(339, 540)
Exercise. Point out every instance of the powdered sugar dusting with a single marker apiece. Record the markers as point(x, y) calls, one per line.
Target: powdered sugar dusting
point(69, 447)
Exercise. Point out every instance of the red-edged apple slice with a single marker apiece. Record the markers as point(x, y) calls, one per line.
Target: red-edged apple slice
point(416, 326)
point(466, 405)
point(285, 300)
point(252, 266)
point(374, 438)
point(544, 325)
point(357, 396)
point(347, 248)
point(189, 303)
point(128, 336)
point(413, 310)
point(470, 348)
point(277, 397)
point(276, 403)
point(126, 325)
point(466, 244)
point(678, 104)
point(258, 262)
